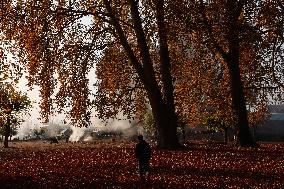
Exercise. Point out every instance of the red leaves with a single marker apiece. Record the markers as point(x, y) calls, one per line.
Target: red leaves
point(112, 164)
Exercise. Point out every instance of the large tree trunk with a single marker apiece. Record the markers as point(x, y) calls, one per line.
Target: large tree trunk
point(232, 58)
point(162, 105)
point(244, 137)
point(167, 129)
point(7, 133)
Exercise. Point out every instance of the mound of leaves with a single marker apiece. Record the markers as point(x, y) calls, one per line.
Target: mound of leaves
point(200, 165)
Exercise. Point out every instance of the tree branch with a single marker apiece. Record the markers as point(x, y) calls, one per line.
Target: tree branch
point(123, 40)
point(209, 28)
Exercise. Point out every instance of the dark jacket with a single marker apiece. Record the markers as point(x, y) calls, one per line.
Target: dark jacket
point(143, 151)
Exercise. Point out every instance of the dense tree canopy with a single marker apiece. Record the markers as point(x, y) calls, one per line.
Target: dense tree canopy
point(234, 39)
point(190, 58)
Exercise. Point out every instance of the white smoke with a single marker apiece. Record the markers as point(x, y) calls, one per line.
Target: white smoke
point(126, 128)
point(25, 130)
point(77, 133)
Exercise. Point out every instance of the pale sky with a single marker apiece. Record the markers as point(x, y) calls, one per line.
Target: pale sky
point(34, 96)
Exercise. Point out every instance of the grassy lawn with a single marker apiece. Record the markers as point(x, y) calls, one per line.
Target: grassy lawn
point(109, 164)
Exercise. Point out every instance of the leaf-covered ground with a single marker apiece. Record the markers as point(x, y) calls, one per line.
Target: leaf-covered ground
point(109, 164)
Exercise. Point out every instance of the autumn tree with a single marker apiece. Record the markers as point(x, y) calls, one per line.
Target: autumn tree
point(161, 97)
point(54, 40)
point(270, 17)
point(12, 103)
point(138, 64)
point(237, 34)
point(149, 124)
point(13, 128)
point(208, 94)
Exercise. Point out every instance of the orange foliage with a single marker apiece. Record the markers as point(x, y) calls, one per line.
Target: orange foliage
point(60, 42)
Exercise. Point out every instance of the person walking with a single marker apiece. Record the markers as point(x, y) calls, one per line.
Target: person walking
point(143, 154)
